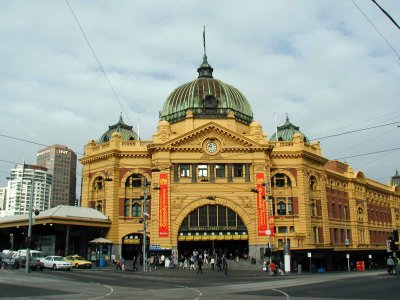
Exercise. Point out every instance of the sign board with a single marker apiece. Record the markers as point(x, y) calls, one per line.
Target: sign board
point(309, 254)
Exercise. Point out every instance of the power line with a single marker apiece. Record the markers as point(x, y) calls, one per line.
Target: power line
point(364, 154)
point(98, 62)
point(352, 131)
point(377, 30)
point(387, 14)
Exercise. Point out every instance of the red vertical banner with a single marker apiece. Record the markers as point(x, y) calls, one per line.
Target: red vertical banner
point(271, 221)
point(261, 205)
point(163, 213)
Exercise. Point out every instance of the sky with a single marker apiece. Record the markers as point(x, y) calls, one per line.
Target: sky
point(331, 66)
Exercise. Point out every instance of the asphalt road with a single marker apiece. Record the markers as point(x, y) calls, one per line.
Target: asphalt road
point(187, 284)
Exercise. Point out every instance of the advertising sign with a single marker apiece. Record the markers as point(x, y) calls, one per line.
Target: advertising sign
point(163, 213)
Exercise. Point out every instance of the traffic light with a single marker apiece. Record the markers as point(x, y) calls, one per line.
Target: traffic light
point(268, 252)
point(396, 235)
point(393, 245)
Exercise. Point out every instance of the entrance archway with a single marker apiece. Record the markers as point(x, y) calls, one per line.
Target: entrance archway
point(215, 229)
point(132, 245)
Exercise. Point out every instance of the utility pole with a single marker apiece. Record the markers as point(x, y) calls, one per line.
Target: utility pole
point(28, 246)
point(145, 216)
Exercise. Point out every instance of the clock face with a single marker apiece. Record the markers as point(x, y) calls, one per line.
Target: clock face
point(211, 147)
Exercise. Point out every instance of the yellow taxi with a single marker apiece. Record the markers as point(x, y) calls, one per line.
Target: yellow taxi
point(78, 261)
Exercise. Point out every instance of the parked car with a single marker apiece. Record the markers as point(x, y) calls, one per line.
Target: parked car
point(56, 263)
point(8, 261)
point(78, 261)
point(34, 262)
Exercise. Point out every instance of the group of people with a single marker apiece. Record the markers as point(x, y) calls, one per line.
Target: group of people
point(391, 264)
point(198, 258)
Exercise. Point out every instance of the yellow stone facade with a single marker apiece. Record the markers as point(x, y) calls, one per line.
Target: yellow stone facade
point(319, 206)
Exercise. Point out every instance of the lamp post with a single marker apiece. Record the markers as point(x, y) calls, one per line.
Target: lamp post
point(28, 246)
point(144, 220)
point(346, 240)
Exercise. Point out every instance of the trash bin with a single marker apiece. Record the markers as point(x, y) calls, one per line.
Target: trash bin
point(299, 269)
point(102, 263)
point(360, 266)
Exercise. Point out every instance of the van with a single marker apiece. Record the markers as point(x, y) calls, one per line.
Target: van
point(35, 257)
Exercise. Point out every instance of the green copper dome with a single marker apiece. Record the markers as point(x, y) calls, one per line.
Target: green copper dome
point(125, 130)
point(206, 97)
point(286, 132)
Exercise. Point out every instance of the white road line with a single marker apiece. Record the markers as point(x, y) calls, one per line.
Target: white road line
point(287, 296)
point(111, 291)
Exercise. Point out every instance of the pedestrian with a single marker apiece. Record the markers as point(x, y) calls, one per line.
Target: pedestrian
point(134, 264)
point(122, 262)
point(390, 265)
point(200, 264)
point(212, 262)
point(117, 264)
point(225, 266)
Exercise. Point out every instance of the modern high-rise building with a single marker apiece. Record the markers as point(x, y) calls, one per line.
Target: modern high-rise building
point(3, 195)
point(61, 163)
point(27, 183)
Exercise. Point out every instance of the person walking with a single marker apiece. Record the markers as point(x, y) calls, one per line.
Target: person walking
point(390, 265)
point(225, 266)
point(134, 264)
point(212, 262)
point(200, 265)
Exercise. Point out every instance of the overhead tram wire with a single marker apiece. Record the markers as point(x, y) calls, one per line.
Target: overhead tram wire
point(376, 29)
point(387, 14)
point(370, 153)
point(98, 62)
point(362, 122)
point(355, 130)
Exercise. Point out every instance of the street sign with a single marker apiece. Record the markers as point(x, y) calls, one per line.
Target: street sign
point(268, 232)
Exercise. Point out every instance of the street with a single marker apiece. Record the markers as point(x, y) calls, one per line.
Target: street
point(187, 284)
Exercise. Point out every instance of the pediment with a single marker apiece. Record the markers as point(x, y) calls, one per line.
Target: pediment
point(226, 138)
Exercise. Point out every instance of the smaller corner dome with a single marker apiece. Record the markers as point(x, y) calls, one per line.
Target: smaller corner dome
point(126, 132)
point(286, 132)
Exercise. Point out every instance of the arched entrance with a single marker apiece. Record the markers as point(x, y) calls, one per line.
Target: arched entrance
point(215, 229)
point(132, 245)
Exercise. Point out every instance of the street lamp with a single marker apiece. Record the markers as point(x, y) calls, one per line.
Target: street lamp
point(28, 247)
point(346, 240)
point(145, 216)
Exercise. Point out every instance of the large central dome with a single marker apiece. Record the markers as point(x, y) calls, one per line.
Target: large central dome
point(207, 98)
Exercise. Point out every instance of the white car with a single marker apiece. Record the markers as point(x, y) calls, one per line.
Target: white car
point(56, 263)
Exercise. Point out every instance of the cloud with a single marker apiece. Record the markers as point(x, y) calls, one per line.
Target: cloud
point(319, 61)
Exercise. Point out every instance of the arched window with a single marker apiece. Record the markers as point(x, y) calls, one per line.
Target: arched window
point(281, 180)
point(99, 206)
point(135, 181)
point(313, 183)
point(98, 183)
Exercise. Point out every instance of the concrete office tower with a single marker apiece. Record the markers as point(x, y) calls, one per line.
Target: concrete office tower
point(3, 196)
point(27, 182)
point(61, 163)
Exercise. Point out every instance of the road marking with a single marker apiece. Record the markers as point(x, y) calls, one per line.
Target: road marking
point(279, 291)
point(111, 291)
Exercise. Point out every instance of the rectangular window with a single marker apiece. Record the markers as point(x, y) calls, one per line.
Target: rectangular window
point(220, 170)
point(202, 171)
point(185, 170)
point(237, 170)
point(127, 208)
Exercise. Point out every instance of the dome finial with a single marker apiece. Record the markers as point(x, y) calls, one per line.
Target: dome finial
point(205, 70)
